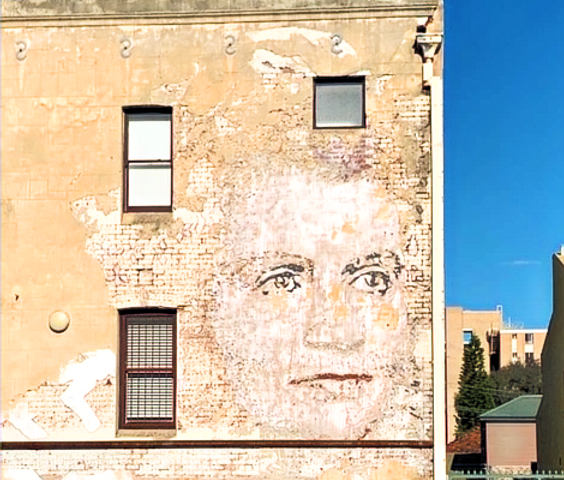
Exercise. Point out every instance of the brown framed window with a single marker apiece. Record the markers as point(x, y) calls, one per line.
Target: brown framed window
point(339, 102)
point(147, 159)
point(147, 387)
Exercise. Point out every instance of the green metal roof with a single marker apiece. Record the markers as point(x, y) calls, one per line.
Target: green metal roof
point(518, 409)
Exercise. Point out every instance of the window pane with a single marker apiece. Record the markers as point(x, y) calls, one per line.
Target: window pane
point(150, 396)
point(339, 105)
point(467, 337)
point(149, 137)
point(149, 345)
point(149, 185)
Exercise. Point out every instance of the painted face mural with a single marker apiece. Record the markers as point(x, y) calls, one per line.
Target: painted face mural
point(296, 284)
point(310, 312)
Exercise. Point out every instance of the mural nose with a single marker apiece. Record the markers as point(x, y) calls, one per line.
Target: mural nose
point(333, 322)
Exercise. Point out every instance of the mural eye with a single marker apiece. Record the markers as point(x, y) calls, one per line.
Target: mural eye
point(285, 280)
point(372, 281)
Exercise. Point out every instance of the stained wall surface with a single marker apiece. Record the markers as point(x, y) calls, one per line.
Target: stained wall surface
point(339, 350)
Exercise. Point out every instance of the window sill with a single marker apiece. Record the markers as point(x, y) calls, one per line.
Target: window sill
point(157, 434)
point(131, 218)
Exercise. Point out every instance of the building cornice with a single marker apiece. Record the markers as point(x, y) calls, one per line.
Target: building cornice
point(423, 8)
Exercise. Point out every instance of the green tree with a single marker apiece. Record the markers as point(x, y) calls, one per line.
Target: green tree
point(474, 395)
point(516, 379)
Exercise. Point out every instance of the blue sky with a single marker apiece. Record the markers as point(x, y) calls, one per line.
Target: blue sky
point(504, 154)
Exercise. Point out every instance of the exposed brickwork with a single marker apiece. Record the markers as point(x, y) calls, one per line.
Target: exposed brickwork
point(298, 464)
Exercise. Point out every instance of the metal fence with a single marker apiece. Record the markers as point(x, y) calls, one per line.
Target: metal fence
point(485, 475)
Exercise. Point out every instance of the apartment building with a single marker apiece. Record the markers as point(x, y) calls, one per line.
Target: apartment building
point(222, 257)
point(521, 345)
point(502, 346)
point(460, 326)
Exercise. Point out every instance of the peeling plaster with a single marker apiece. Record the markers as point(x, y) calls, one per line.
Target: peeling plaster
point(315, 37)
point(199, 222)
point(265, 61)
point(87, 211)
point(83, 377)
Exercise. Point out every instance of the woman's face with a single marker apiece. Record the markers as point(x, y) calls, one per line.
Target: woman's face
point(310, 305)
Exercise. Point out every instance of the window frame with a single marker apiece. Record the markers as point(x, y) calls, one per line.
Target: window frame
point(348, 79)
point(140, 110)
point(466, 331)
point(529, 338)
point(136, 313)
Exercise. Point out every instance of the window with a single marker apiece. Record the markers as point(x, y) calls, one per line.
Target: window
point(147, 388)
point(514, 357)
point(339, 102)
point(529, 358)
point(529, 338)
point(513, 336)
point(466, 337)
point(147, 159)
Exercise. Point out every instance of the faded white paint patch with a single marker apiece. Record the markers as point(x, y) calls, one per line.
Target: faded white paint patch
point(86, 210)
point(224, 127)
point(423, 344)
point(380, 83)
point(200, 182)
point(20, 474)
point(106, 475)
point(315, 37)
point(265, 61)
point(21, 419)
point(199, 222)
point(83, 377)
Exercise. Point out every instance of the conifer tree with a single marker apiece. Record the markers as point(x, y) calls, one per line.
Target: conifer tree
point(474, 395)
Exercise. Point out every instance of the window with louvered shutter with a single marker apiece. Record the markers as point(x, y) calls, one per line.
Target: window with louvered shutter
point(148, 368)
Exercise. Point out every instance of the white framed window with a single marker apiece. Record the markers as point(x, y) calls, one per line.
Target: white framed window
point(529, 338)
point(339, 102)
point(147, 384)
point(147, 159)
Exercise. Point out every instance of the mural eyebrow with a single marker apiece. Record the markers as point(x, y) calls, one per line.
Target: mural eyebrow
point(260, 281)
point(358, 264)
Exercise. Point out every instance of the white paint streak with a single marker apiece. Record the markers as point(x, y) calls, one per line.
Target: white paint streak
point(20, 474)
point(21, 419)
point(83, 377)
point(315, 37)
point(265, 61)
point(106, 475)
